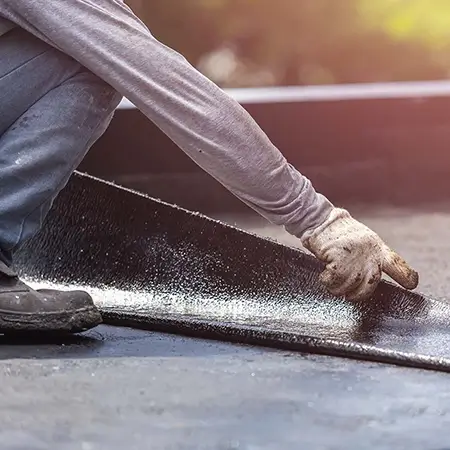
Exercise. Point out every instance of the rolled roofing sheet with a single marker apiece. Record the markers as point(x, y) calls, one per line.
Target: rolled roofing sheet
point(152, 265)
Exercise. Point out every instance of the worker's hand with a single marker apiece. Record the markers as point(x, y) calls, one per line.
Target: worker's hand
point(355, 257)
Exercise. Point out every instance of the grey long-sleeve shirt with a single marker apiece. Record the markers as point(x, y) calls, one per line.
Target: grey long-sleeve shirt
point(209, 126)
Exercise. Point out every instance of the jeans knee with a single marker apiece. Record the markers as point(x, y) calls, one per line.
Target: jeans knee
point(109, 100)
point(101, 100)
point(106, 97)
point(113, 98)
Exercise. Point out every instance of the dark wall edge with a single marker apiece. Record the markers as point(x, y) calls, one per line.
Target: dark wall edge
point(362, 143)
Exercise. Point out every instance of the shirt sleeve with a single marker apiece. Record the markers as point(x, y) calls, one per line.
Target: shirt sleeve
point(213, 129)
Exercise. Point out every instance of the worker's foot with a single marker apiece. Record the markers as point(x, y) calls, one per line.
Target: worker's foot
point(23, 309)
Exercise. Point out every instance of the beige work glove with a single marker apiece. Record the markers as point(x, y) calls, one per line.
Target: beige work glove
point(355, 257)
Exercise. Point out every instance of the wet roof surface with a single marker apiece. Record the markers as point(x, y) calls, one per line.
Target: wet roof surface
point(121, 388)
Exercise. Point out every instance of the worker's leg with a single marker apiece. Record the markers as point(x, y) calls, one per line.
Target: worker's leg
point(53, 111)
point(56, 111)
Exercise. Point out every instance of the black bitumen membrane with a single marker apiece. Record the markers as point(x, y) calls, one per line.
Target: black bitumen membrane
point(150, 265)
point(154, 266)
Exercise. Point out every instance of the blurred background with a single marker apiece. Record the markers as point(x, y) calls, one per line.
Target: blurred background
point(391, 147)
point(248, 43)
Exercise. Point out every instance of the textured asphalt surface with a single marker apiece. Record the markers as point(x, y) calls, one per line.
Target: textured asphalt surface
point(126, 389)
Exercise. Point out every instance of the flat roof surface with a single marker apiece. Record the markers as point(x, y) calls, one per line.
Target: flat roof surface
point(128, 389)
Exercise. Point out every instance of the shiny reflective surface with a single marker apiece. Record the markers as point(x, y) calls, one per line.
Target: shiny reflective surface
point(151, 265)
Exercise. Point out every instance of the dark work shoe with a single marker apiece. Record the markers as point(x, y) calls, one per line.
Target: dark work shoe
point(23, 309)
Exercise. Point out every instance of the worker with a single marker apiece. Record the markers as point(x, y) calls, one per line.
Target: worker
point(64, 68)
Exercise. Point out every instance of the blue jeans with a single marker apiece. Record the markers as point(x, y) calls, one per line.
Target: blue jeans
point(52, 111)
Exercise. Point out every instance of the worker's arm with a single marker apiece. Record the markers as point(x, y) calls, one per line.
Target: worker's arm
point(209, 126)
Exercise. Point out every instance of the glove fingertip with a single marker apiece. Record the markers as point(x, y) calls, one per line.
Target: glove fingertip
point(411, 280)
point(400, 271)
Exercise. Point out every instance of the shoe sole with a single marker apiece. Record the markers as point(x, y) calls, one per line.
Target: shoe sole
point(61, 323)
